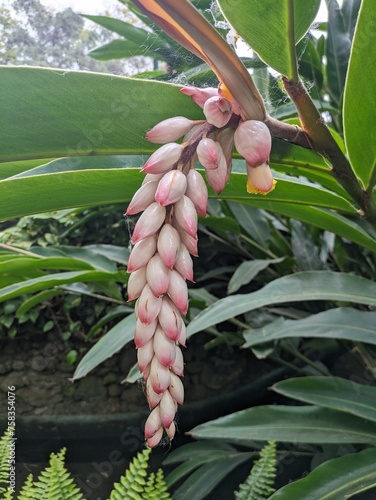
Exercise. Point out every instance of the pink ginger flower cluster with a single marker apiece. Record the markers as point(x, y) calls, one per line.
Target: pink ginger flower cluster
point(165, 235)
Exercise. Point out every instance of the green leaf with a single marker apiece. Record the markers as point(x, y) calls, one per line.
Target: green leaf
point(245, 273)
point(335, 479)
point(332, 392)
point(57, 279)
point(358, 113)
point(75, 122)
point(253, 222)
point(295, 424)
point(340, 323)
point(338, 48)
point(114, 340)
point(306, 286)
point(11, 168)
point(37, 299)
point(118, 49)
point(264, 25)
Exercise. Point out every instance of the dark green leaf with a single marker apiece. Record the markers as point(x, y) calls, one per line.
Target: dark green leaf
point(247, 271)
point(253, 222)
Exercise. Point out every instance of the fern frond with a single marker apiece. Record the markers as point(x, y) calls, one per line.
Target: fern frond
point(132, 483)
point(55, 482)
point(4, 460)
point(156, 487)
point(28, 491)
point(8, 495)
point(259, 483)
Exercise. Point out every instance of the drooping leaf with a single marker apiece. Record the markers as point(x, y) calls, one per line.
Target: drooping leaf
point(264, 25)
point(253, 222)
point(295, 424)
point(335, 479)
point(358, 113)
point(306, 286)
point(114, 340)
point(245, 273)
point(332, 392)
point(341, 323)
point(119, 49)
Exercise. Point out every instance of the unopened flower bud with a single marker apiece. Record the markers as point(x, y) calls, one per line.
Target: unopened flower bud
point(170, 431)
point(145, 355)
point(183, 335)
point(190, 242)
point(142, 198)
point(152, 397)
point(186, 216)
point(136, 283)
point(177, 389)
point(253, 141)
point(218, 111)
point(178, 291)
point(149, 222)
point(223, 91)
point(184, 263)
point(155, 440)
point(226, 140)
point(170, 319)
point(169, 130)
point(197, 191)
point(178, 366)
point(168, 409)
point(152, 178)
point(171, 188)
point(199, 96)
point(209, 153)
point(218, 178)
point(153, 423)
point(143, 333)
point(164, 348)
point(157, 275)
point(163, 159)
point(260, 179)
point(148, 306)
point(160, 376)
point(168, 245)
point(141, 253)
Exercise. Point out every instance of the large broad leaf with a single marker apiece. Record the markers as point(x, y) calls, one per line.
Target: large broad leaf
point(81, 113)
point(295, 424)
point(265, 26)
point(332, 392)
point(114, 340)
point(335, 479)
point(8, 169)
point(306, 286)
point(358, 109)
point(340, 323)
point(118, 49)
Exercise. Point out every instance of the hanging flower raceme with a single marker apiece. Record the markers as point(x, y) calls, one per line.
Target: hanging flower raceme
point(165, 235)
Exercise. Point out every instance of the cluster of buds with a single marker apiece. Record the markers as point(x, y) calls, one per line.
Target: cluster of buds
point(165, 235)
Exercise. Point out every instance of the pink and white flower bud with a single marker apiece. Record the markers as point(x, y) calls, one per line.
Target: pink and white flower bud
point(164, 348)
point(190, 242)
point(176, 389)
point(148, 306)
point(136, 283)
point(142, 198)
point(178, 366)
point(209, 153)
point(149, 222)
point(170, 320)
point(224, 92)
point(146, 372)
point(167, 409)
point(199, 96)
point(170, 431)
point(152, 397)
point(141, 253)
point(160, 376)
point(260, 179)
point(186, 216)
point(153, 423)
point(171, 188)
point(253, 141)
point(157, 275)
point(218, 178)
point(153, 177)
point(197, 191)
point(145, 355)
point(169, 130)
point(218, 111)
point(178, 291)
point(155, 440)
point(184, 263)
point(168, 245)
point(183, 335)
point(163, 159)
point(143, 333)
